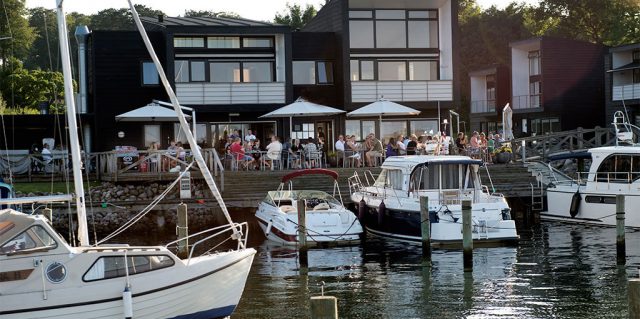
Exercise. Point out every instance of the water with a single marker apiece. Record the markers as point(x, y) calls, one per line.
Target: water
point(556, 271)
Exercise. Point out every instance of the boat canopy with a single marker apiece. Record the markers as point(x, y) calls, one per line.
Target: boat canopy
point(312, 171)
point(12, 223)
point(570, 155)
point(409, 163)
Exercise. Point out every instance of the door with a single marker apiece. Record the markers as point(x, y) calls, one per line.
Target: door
point(325, 131)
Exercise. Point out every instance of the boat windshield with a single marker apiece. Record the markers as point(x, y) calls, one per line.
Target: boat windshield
point(444, 176)
point(391, 178)
point(34, 238)
point(280, 198)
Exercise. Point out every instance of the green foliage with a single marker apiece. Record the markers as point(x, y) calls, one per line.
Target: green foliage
point(43, 51)
point(17, 28)
point(296, 17)
point(211, 14)
point(120, 19)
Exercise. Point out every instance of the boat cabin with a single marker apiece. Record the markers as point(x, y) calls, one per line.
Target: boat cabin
point(449, 178)
point(614, 164)
point(315, 200)
point(25, 234)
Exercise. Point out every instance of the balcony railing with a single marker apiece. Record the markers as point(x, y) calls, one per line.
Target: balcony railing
point(626, 92)
point(230, 93)
point(403, 91)
point(483, 106)
point(526, 102)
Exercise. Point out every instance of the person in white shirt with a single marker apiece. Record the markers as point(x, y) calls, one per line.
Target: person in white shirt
point(274, 151)
point(47, 157)
point(249, 137)
point(402, 148)
point(340, 144)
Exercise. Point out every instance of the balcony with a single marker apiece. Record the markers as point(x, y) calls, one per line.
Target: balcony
point(626, 92)
point(522, 102)
point(483, 106)
point(230, 93)
point(402, 91)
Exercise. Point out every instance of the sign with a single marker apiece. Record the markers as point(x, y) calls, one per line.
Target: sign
point(126, 155)
point(185, 186)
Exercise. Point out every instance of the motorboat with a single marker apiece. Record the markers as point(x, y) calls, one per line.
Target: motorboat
point(327, 220)
point(389, 205)
point(43, 276)
point(590, 197)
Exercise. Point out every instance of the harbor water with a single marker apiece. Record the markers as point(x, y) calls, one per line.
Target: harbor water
point(556, 271)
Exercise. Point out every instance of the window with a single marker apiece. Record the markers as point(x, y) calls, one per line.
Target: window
point(303, 131)
point(535, 90)
point(257, 42)
point(355, 70)
point(635, 56)
point(424, 127)
point(390, 14)
point(391, 178)
point(534, 63)
point(197, 71)
point(149, 74)
point(325, 72)
point(187, 42)
point(304, 72)
point(391, 129)
point(181, 71)
point(224, 72)
point(32, 239)
point(201, 132)
point(361, 34)
point(491, 92)
point(619, 169)
point(151, 134)
point(392, 70)
point(257, 72)
point(367, 70)
point(545, 125)
point(115, 266)
point(360, 14)
point(391, 34)
point(636, 75)
point(359, 128)
point(223, 42)
point(423, 70)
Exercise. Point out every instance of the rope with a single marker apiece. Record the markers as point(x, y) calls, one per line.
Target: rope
point(146, 210)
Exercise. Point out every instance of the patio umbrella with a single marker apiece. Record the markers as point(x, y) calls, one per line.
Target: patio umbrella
point(383, 107)
point(152, 112)
point(301, 107)
point(507, 122)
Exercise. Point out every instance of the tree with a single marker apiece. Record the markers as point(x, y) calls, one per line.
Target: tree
point(120, 19)
point(15, 32)
point(210, 14)
point(296, 17)
point(44, 49)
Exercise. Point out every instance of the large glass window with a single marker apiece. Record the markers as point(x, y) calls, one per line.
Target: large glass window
point(149, 74)
point(361, 34)
point(367, 71)
point(535, 91)
point(534, 63)
point(151, 134)
point(188, 42)
point(355, 70)
point(181, 71)
point(197, 71)
point(224, 72)
point(34, 238)
point(619, 169)
point(424, 127)
point(304, 72)
point(391, 34)
point(180, 136)
point(257, 42)
point(352, 127)
point(116, 266)
point(423, 70)
point(325, 72)
point(361, 14)
point(393, 129)
point(392, 70)
point(223, 42)
point(423, 34)
point(257, 72)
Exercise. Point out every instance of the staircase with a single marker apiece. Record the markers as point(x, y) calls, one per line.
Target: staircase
point(546, 174)
point(512, 180)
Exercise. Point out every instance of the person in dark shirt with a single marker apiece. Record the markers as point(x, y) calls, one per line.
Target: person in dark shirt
point(412, 145)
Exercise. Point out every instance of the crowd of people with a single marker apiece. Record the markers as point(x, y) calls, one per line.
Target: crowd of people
point(479, 146)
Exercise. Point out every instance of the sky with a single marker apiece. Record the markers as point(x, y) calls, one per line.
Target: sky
point(263, 10)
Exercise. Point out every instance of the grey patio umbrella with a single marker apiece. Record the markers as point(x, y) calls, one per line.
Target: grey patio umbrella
point(383, 107)
point(301, 107)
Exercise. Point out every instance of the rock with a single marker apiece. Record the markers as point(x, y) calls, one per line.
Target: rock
point(119, 193)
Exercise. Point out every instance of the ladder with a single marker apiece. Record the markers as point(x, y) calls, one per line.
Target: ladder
point(537, 197)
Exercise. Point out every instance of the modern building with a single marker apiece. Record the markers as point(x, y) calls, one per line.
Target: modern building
point(490, 92)
point(622, 82)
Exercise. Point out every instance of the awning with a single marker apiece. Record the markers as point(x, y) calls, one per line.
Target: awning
point(152, 112)
point(630, 66)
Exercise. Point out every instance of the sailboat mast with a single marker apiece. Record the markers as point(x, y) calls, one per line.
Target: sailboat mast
point(74, 141)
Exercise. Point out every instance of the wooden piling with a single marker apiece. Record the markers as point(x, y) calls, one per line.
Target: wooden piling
point(183, 231)
point(634, 298)
point(302, 233)
point(324, 307)
point(620, 240)
point(467, 237)
point(425, 226)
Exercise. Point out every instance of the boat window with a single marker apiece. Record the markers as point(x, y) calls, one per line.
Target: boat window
point(619, 168)
point(430, 177)
point(391, 178)
point(114, 266)
point(34, 238)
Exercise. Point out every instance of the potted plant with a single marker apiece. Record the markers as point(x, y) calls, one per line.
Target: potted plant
point(502, 155)
point(332, 159)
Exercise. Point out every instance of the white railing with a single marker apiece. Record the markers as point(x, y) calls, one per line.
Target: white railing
point(402, 91)
point(230, 93)
point(483, 106)
point(626, 92)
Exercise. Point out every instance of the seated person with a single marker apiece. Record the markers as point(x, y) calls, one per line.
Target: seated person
point(274, 151)
point(392, 148)
point(238, 151)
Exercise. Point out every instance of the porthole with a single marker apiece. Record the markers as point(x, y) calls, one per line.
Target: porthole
point(56, 272)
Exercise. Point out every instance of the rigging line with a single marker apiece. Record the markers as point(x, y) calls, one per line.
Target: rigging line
point(6, 146)
point(46, 33)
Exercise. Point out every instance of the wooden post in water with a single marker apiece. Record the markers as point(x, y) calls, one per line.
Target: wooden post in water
point(634, 298)
point(324, 307)
point(620, 241)
point(425, 226)
point(467, 236)
point(302, 233)
point(183, 231)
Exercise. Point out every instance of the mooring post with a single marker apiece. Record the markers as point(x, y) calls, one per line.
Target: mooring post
point(523, 148)
point(324, 307)
point(302, 233)
point(467, 237)
point(634, 298)
point(183, 231)
point(620, 242)
point(425, 226)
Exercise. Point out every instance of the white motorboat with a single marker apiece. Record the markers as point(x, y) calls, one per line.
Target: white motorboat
point(590, 198)
point(42, 276)
point(327, 220)
point(389, 205)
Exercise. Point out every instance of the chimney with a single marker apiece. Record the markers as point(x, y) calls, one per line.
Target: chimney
point(160, 18)
point(81, 34)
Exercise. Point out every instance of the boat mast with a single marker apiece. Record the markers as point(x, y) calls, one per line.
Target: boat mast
point(74, 141)
point(206, 174)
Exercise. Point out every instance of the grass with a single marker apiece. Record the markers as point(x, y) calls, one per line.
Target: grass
point(48, 187)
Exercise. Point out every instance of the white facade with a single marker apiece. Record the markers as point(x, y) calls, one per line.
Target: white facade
point(624, 85)
point(520, 74)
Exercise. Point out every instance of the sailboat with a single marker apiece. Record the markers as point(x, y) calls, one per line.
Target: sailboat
point(43, 276)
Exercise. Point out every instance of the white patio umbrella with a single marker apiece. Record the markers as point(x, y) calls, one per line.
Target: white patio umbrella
point(151, 112)
point(383, 107)
point(301, 107)
point(507, 123)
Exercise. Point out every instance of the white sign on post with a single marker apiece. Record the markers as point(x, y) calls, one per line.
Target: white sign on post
point(185, 186)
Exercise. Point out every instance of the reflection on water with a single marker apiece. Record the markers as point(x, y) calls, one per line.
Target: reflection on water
point(557, 271)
